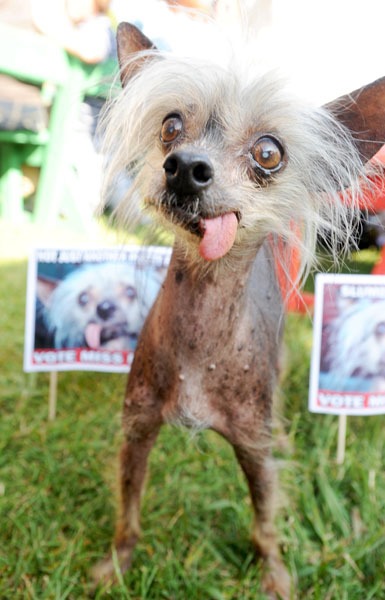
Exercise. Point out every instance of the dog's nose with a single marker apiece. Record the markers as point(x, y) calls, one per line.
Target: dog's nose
point(105, 310)
point(187, 172)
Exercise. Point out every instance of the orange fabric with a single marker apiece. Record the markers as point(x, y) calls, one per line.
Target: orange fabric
point(294, 300)
point(374, 201)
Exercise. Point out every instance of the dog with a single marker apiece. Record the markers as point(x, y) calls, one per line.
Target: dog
point(243, 175)
point(99, 306)
point(356, 348)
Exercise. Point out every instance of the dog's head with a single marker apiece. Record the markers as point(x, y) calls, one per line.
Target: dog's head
point(99, 306)
point(226, 158)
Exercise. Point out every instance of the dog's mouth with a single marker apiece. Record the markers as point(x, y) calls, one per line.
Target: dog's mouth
point(217, 233)
point(97, 335)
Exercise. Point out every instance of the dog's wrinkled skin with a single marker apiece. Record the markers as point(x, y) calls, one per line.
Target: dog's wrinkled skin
point(229, 164)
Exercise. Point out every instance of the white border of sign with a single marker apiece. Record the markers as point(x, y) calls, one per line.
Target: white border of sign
point(67, 359)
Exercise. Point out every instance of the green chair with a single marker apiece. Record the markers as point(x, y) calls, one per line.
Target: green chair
point(32, 58)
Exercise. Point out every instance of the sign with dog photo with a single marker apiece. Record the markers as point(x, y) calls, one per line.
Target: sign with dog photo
point(86, 307)
point(348, 359)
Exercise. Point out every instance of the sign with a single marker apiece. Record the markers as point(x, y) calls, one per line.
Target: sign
point(86, 306)
point(348, 359)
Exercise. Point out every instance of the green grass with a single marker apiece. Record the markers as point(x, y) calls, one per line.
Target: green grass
point(57, 490)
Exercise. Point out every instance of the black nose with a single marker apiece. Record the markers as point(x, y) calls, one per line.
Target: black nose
point(105, 310)
point(188, 173)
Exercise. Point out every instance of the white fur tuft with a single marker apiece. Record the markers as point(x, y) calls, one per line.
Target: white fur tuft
point(317, 191)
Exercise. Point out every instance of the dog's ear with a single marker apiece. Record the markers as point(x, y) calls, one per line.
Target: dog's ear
point(130, 41)
point(363, 112)
point(44, 289)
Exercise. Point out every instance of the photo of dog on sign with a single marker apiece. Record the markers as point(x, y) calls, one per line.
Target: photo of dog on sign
point(353, 337)
point(242, 173)
point(101, 306)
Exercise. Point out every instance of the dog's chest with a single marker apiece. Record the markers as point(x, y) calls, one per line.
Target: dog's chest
point(212, 346)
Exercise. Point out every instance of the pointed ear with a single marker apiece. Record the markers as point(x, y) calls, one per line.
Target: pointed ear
point(363, 112)
point(130, 40)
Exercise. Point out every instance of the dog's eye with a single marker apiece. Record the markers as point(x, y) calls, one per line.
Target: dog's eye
point(131, 292)
point(267, 154)
point(172, 127)
point(83, 298)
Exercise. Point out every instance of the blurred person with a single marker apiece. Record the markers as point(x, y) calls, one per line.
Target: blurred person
point(83, 29)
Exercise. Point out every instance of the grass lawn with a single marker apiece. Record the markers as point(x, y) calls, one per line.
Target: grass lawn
point(57, 482)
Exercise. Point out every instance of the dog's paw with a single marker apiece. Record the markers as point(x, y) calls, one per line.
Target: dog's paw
point(276, 582)
point(110, 570)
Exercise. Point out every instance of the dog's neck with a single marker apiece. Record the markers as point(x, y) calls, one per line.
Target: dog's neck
point(226, 275)
point(220, 293)
point(202, 316)
point(237, 264)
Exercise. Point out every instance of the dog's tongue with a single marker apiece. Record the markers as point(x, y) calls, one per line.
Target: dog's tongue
point(92, 334)
point(218, 236)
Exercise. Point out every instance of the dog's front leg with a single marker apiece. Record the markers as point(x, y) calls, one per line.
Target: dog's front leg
point(257, 466)
point(133, 466)
point(141, 421)
point(251, 441)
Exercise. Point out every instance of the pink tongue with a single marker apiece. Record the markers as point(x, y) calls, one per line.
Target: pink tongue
point(218, 236)
point(92, 335)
